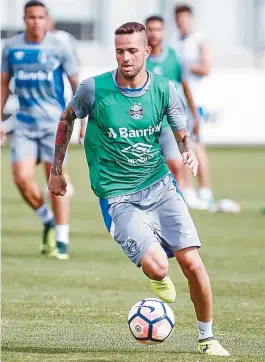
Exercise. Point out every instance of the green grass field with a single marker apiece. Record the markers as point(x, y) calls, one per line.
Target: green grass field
point(77, 310)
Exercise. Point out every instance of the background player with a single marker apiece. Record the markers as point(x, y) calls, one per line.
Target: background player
point(195, 52)
point(163, 60)
point(70, 42)
point(37, 61)
point(139, 202)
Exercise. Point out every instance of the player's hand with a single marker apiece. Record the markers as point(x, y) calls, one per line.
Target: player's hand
point(190, 159)
point(57, 185)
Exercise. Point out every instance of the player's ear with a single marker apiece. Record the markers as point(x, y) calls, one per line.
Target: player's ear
point(148, 50)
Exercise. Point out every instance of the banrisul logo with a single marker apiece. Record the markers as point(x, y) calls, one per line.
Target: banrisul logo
point(136, 111)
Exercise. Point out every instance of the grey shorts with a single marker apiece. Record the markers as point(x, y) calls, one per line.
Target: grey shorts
point(168, 144)
point(30, 141)
point(155, 214)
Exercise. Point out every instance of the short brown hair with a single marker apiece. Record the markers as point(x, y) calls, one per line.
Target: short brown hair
point(183, 9)
point(154, 18)
point(31, 3)
point(130, 28)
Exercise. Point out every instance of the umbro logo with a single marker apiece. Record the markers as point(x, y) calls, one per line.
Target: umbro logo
point(19, 55)
point(138, 149)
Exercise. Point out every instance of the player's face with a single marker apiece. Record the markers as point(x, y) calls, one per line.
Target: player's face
point(155, 32)
point(184, 22)
point(49, 24)
point(36, 20)
point(131, 53)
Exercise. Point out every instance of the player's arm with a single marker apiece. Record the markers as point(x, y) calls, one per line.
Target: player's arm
point(5, 79)
point(79, 107)
point(187, 149)
point(63, 136)
point(71, 65)
point(177, 119)
point(203, 68)
point(73, 79)
point(188, 95)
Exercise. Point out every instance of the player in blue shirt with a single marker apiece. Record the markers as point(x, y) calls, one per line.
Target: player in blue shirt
point(37, 60)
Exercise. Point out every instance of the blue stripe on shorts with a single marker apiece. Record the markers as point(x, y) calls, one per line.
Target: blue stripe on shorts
point(104, 205)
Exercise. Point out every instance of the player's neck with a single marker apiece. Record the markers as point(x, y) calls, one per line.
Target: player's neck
point(186, 33)
point(34, 38)
point(137, 82)
point(157, 49)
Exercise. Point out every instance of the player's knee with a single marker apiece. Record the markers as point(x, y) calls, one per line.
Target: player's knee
point(194, 269)
point(158, 271)
point(22, 180)
point(155, 262)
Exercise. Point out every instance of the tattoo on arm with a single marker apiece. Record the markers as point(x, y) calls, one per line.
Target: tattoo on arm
point(185, 143)
point(63, 135)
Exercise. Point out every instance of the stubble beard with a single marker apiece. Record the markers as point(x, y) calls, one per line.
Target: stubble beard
point(133, 73)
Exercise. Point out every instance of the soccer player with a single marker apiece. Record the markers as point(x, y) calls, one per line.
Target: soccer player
point(195, 52)
point(69, 42)
point(163, 60)
point(141, 205)
point(37, 61)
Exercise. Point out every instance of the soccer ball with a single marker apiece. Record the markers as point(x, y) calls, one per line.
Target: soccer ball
point(151, 321)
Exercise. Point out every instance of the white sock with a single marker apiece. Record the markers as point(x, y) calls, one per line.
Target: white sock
point(190, 195)
point(205, 193)
point(205, 329)
point(62, 233)
point(44, 213)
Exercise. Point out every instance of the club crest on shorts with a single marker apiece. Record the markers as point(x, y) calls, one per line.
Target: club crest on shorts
point(131, 246)
point(136, 111)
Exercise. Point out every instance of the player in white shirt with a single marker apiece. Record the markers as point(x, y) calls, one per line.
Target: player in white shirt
point(195, 52)
point(70, 43)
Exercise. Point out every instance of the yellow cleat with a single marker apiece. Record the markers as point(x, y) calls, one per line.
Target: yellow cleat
point(56, 255)
point(212, 348)
point(48, 240)
point(61, 251)
point(164, 289)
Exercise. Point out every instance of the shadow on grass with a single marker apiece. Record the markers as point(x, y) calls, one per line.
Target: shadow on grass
point(61, 350)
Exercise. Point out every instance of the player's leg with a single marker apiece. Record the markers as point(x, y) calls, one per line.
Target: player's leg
point(171, 154)
point(172, 221)
point(189, 192)
point(199, 285)
point(25, 180)
point(60, 204)
point(155, 266)
point(131, 228)
point(201, 296)
point(24, 160)
point(205, 192)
